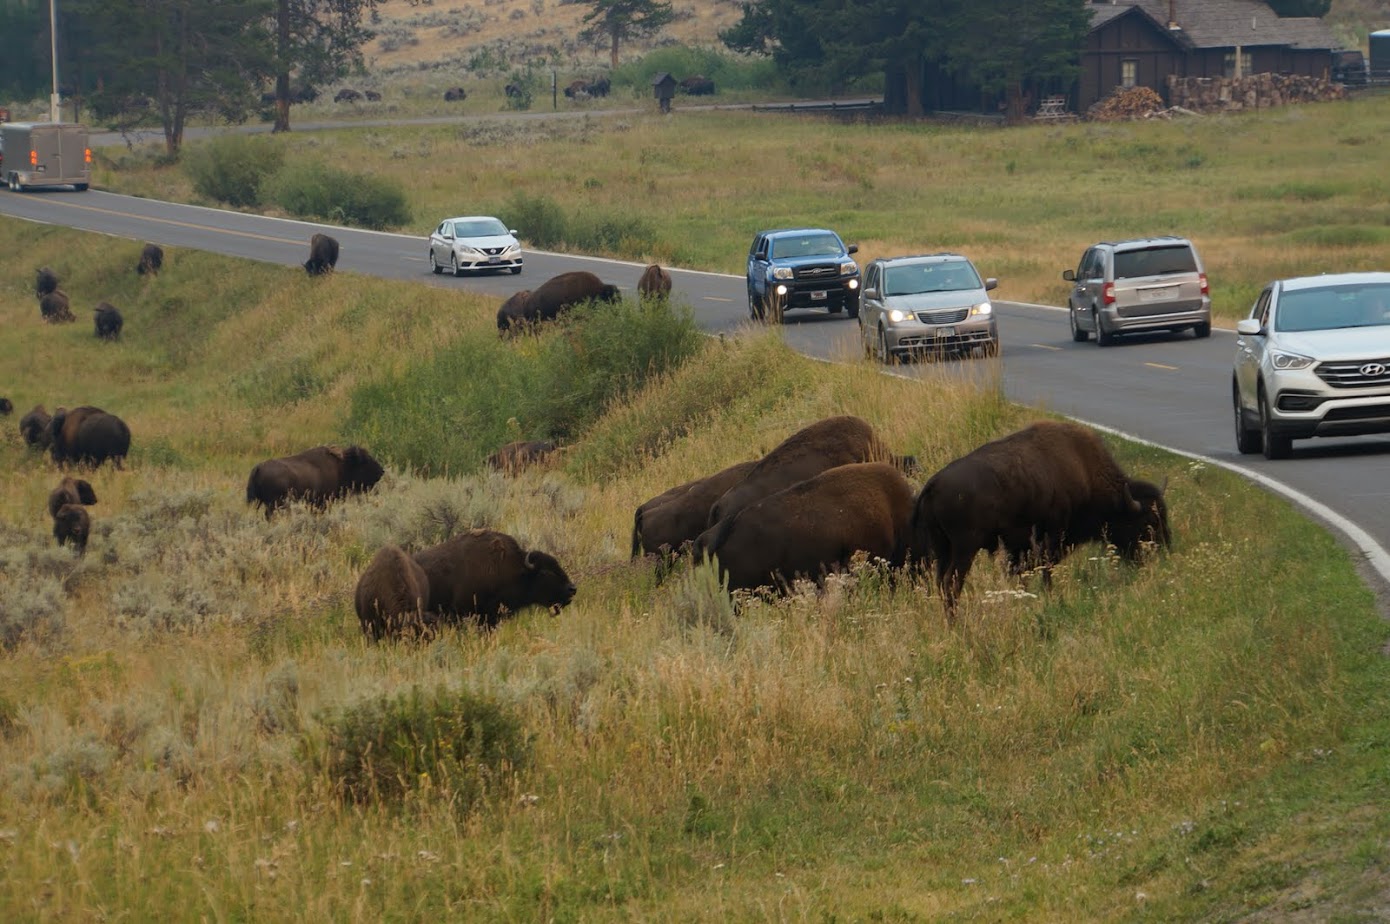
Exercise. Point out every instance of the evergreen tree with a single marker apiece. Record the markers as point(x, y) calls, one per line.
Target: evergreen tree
point(615, 21)
point(320, 40)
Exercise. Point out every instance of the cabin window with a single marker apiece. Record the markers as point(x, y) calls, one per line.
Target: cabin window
point(1129, 73)
point(1237, 64)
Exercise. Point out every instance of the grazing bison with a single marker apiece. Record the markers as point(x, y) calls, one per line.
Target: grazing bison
point(391, 595)
point(55, 308)
point(323, 255)
point(514, 91)
point(71, 524)
point(668, 521)
point(455, 95)
point(600, 87)
point(578, 89)
point(71, 491)
point(513, 311)
point(33, 427)
point(315, 475)
point(6, 407)
point(108, 321)
point(561, 293)
point(699, 85)
point(87, 435)
point(151, 260)
point(372, 96)
point(655, 283)
point(814, 527)
point(805, 454)
point(1038, 492)
point(486, 574)
point(346, 95)
point(522, 454)
point(45, 281)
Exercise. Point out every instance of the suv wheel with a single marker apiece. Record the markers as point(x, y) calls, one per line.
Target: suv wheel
point(434, 264)
point(990, 349)
point(1276, 445)
point(1202, 331)
point(1103, 337)
point(883, 352)
point(756, 311)
point(1077, 334)
point(852, 307)
point(1248, 439)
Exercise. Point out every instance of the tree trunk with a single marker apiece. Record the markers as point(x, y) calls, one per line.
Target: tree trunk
point(613, 50)
point(1014, 106)
point(913, 89)
point(282, 79)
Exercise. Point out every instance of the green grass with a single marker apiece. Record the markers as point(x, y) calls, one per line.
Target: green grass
point(1200, 738)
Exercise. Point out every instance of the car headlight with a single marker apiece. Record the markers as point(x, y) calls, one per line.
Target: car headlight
point(897, 315)
point(464, 248)
point(849, 268)
point(781, 272)
point(512, 247)
point(983, 308)
point(1282, 360)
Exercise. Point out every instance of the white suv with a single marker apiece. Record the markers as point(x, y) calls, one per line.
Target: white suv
point(1313, 359)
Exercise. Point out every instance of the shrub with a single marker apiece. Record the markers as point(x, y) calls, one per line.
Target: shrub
point(315, 190)
point(452, 741)
point(232, 168)
point(539, 219)
point(728, 71)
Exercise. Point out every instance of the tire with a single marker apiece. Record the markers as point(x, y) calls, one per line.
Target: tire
point(1249, 440)
point(454, 264)
point(81, 187)
point(756, 310)
point(516, 271)
point(434, 264)
point(775, 310)
point(991, 349)
point(1103, 337)
point(852, 307)
point(1202, 331)
point(884, 356)
point(1077, 334)
point(1276, 445)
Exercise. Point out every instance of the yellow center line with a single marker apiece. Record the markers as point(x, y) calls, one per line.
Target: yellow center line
point(182, 224)
point(715, 298)
point(1044, 346)
point(1162, 366)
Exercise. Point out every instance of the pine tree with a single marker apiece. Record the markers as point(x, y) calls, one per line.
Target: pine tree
point(615, 21)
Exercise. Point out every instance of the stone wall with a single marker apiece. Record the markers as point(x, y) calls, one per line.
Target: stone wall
point(1258, 91)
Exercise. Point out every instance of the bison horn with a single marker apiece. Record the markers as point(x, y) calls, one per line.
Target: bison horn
point(1130, 503)
point(530, 560)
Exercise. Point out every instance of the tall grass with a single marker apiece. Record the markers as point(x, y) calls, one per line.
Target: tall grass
point(1199, 737)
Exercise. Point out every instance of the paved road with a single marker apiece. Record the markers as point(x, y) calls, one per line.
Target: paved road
point(1171, 390)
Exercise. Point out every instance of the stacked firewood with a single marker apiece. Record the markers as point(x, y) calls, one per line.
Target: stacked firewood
point(1258, 91)
point(1125, 104)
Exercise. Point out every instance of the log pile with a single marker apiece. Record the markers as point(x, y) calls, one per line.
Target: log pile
point(1258, 91)
point(1125, 104)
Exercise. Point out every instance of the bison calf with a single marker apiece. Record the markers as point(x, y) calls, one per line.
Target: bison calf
point(71, 524)
point(87, 435)
point(70, 491)
point(323, 255)
point(655, 283)
point(487, 575)
point(55, 308)
point(1037, 493)
point(108, 321)
point(316, 476)
point(391, 595)
point(151, 260)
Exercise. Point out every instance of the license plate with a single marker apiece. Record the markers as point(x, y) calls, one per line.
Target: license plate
point(818, 296)
point(942, 332)
point(1149, 295)
point(494, 259)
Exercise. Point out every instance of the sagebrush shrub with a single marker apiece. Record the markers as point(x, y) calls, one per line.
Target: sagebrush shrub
point(315, 190)
point(539, 220)
point(232, 168)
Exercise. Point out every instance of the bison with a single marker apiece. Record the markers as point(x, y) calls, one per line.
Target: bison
point(600, 87)
point(455, 95)
point(71, 491)
point(151, 260)
point(316, 476)
point(108, 321)
point(346, 95)
point(45, 281)
point(805, 454)
point(55, 308)
point(1038, 493)
point(323, 255)
point(87, 435)
point(699, 85)
point(372, 96)
point(655, 283)
point(33, 427)
point(814, 527)
point(522, 454)
point(71, 524)
point(559, 294)
point(513, 311)
point(514, 91)
point(668, 521)
point(391, 595)
point(578, 89)
point(6, 407)
point(487, 575)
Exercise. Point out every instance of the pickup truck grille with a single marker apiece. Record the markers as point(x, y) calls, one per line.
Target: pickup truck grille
point(1357, 373)
point(949, 316)
point(819, 271)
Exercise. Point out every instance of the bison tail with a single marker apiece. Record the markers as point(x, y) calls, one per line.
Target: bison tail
point(637, 534)
point(251, 494)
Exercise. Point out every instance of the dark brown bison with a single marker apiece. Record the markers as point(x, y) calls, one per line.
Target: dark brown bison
point(108, 321)
point(1038, 493)
point(512, 314)
point(805, 454)
point(71, 524)
point(6, 407)
point(668, 521)
point(88, 435)
point(699, 85)
point(578, 89)
point(71, 491)
point(55, 308)
point(455, 95)
point(561, 293)
point(323, 255)
point(391, 595)
point(486, 574)
point(151, 260)
point(514, 91)
point(600, 87)
point(33, 427)
point(520, 455)
point(346, 95)
point(814, 527)
point(45, 281)
point(372, 96)
point(316, 476)
point(655, 283)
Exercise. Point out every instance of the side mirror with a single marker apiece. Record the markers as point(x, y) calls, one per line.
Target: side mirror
point(512, 232)
point(1251, 327)
point(853, 248)
point(1069, 275)
point(991, 283)
point(870, 292)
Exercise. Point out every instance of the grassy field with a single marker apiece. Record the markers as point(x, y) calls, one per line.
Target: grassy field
point(1204, 737)
point(1276, 193)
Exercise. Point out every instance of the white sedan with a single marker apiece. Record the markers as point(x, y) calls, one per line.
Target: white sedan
point(477, 242)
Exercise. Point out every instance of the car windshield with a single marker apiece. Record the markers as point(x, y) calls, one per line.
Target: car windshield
point(1334, 307)
point(915, 279)
point(480, 227)
point(1154, 261)
point(810, 245)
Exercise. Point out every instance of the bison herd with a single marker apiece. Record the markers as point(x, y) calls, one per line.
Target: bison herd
point(55, 306)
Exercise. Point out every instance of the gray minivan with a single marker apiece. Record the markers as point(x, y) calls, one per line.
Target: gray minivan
point(1147, 284)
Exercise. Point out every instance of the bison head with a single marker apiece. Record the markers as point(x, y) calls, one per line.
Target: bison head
point(1144, 518)
point(361, 472)
point(609, 293)
point(33, 426)
point(547, 583)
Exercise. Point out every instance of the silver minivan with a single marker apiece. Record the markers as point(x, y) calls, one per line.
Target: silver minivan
point(1147, 284)
point(933, 304)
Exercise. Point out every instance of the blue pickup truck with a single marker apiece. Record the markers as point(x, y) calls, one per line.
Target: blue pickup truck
point(801, 268)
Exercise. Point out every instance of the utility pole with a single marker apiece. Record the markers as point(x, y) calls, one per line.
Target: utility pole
point(54, 114)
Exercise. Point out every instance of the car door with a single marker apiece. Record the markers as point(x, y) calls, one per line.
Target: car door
point(757, 267)
point(440, 241)
point(1078, 300)
point(1251, 349)
point(871, 302)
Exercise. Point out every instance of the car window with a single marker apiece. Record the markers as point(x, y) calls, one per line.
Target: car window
point(483, 227)
point(1155, 261)
point(811, 245)
point(1333, 308)
point(915, 279)
point(871, 277)
point(1261, 310)
point(1091, 265)
point(757, 249)
point(443, 229)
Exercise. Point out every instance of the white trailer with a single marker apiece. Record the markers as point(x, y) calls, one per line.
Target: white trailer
point(45, 154)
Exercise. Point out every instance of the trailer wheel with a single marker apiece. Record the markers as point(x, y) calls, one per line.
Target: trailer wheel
point(81, 187)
